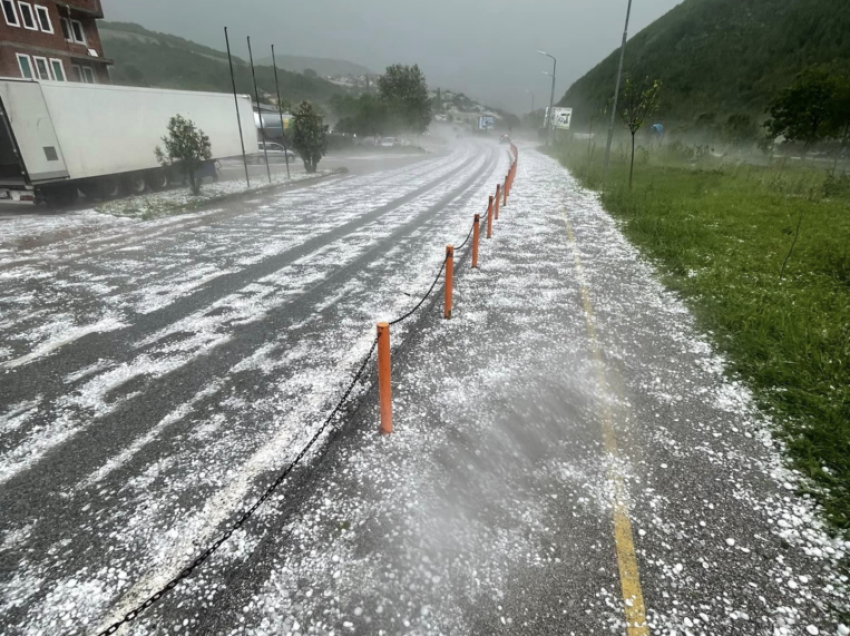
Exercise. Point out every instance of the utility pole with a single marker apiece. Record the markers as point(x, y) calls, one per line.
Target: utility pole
point(280, 110)
point(616, 95)
point(552, 97)
point(259, 111)
point(238, 116)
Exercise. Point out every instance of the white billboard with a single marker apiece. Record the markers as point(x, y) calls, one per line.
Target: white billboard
point(486, 123)
point(562, 118)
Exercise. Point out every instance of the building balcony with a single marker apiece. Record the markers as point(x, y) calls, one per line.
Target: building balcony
point(81, 8)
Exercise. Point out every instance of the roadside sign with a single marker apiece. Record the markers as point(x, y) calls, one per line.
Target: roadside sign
point(562, 118)
point(486, 122)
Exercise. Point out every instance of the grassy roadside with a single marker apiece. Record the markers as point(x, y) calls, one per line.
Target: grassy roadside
point(719, 234)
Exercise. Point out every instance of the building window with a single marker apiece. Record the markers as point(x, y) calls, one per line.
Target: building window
point(25, 64)
point(43, 18)
point(85, 74)
point(10, 13)
point(27, 16)
point(58, 70)
point(42, 69)
point(77, 32)
point(73, 30)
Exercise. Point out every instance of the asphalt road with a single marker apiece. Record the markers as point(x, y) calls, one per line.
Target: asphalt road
point(568, 453)
point(154, 374)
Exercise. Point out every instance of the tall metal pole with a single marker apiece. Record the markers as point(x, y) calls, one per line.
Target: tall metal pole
point(551, 131)
point(259, 111)
point(616, 95)
point(280, 109)
point(236, 101)
point(549, 120)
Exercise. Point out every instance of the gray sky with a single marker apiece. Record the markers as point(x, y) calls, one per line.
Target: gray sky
point(485, 48)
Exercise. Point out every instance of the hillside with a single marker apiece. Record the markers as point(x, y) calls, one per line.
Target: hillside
point(325, 67)
point(722, 56)
point(147, 58)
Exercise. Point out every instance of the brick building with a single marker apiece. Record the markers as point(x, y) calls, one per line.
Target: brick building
point(52, 40)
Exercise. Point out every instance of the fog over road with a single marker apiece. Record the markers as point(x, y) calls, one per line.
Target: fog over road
point(568, 452)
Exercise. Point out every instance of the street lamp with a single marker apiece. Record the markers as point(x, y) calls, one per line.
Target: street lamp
point(616, 95)
point(552, 97)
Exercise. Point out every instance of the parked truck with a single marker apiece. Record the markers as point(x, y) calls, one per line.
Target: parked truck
point(58, 138)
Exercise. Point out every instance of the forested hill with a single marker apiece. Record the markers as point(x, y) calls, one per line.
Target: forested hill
point(722, 56)
point(147, 58)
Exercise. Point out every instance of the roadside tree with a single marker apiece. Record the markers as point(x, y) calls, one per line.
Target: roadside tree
point(639, 102)
point(308, 136)
point(740, 130)
point(187, 147)
point(405, 90)
point(839, 113)
point(803, 112)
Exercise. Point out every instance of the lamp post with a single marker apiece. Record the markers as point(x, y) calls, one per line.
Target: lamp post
point(616, 95)
point(552, 96)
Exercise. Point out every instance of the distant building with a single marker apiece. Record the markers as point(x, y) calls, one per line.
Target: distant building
point(52, 40)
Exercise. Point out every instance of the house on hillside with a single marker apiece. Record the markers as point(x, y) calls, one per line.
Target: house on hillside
point(52, 40)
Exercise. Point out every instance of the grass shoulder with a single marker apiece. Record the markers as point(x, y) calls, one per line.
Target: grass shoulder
point(761, 254)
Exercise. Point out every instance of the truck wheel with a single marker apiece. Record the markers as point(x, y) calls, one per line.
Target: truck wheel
point(89, 190)
point(135, 183)
point(157, 180)
point(60, 195)
point(109, 188)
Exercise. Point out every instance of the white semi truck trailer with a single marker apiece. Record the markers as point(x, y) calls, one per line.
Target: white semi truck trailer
point(58, 138)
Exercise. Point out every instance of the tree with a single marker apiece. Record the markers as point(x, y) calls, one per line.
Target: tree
point(740, 129)
point(187, 147)
point(639, 102)
point(405, 90)
point(308, 136)
point(308, 72)
point(839, 111)
point(803, 111)
point(707, 127)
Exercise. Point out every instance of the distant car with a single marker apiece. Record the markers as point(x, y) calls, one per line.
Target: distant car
point(275, 152)
point(389, 142)
point(504, 139)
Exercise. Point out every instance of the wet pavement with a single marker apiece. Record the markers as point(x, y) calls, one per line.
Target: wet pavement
point(568, 453)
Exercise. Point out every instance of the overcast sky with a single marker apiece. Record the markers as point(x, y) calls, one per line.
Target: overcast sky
point(485, 48)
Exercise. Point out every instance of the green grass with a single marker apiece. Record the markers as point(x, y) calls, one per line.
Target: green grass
point(719, 235)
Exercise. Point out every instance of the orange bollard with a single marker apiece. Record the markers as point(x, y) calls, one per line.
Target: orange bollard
point(498, 199)
point(490, 218)
point(450, 276)
point(505, 190)
point(385, 389)
point(476, 230)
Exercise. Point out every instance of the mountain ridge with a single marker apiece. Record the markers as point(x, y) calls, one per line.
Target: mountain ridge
point(149, 58)
point(721, 56)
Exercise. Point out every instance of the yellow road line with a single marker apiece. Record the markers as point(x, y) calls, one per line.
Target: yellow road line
point(633, 604)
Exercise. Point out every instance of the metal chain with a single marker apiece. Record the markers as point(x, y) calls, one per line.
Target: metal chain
point(206, 554)
point(468, 236)
point(424, 298)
